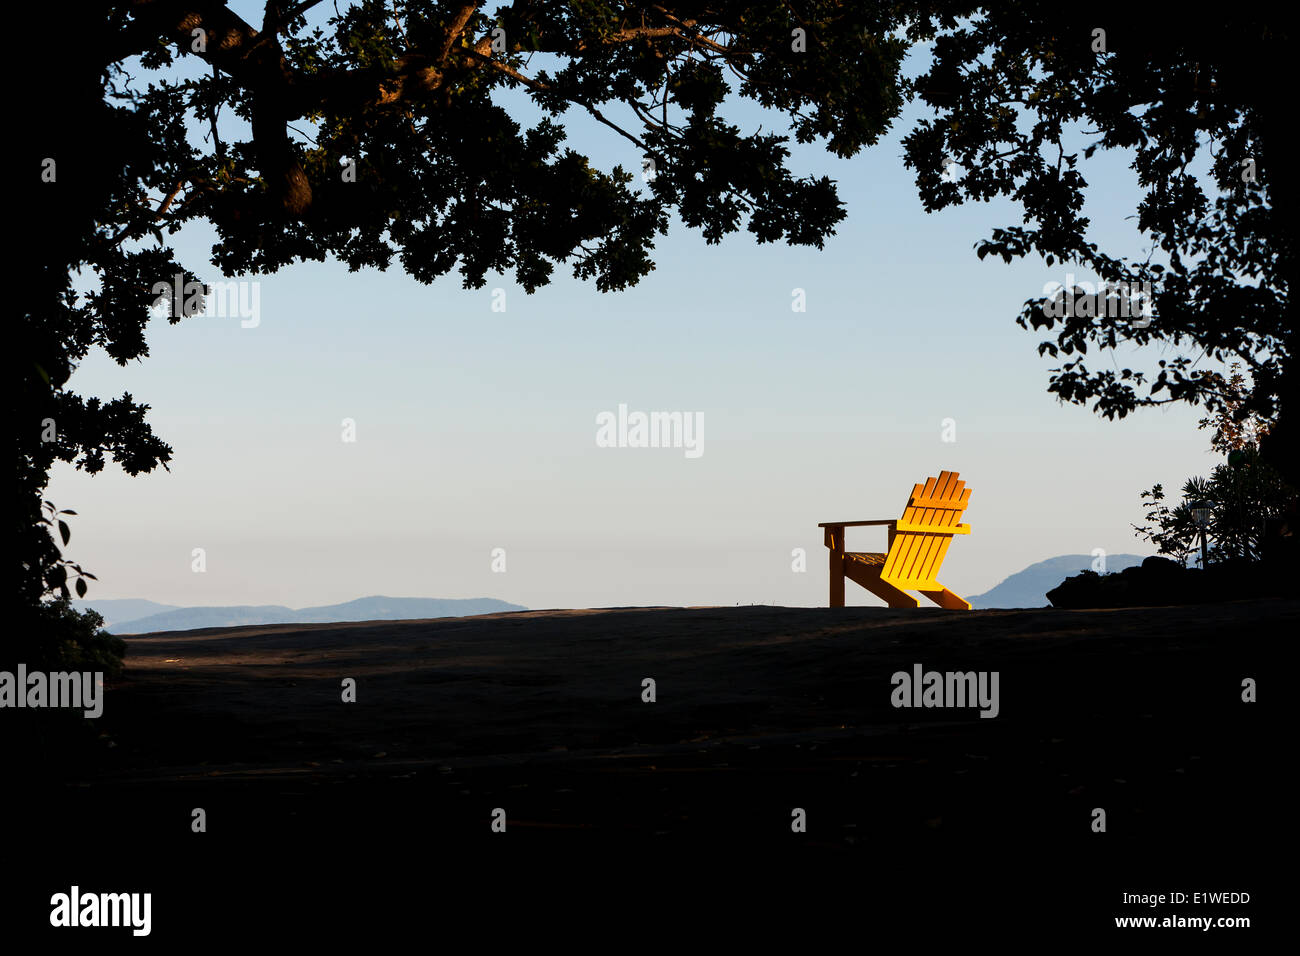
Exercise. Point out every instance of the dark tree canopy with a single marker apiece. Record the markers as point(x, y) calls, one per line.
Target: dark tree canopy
point(1015, 89)
point(376, 138)
point(120, 157)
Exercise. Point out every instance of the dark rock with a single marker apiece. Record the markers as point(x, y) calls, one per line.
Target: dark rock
point(1159, 582)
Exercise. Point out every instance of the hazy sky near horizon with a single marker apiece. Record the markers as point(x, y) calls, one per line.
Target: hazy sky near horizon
point(476, 429)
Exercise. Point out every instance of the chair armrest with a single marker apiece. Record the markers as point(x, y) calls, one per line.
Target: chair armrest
point(835, 530)
point(854, 524)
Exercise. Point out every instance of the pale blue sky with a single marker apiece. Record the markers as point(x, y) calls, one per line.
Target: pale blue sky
point(476, 429)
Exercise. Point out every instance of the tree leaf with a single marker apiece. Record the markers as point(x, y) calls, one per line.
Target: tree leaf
point(64, 532)
point(81, 587)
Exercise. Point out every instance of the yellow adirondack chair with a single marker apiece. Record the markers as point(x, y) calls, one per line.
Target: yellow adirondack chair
point(918, 542)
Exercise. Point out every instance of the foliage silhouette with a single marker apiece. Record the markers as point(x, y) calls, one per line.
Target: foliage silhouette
point(1244, 492)
point(444, 178)
point(1242, 496)
point(1022, 94)
point(376, 139)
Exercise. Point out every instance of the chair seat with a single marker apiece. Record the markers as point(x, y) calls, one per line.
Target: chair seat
point(869, 558)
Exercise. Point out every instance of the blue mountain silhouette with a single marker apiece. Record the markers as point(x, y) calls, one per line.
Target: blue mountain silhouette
point(376, 608)
point(1028, 588)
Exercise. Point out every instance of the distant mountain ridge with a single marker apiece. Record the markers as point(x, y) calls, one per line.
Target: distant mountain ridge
point(376, 608)
point(1028, 588)
point(114, 611)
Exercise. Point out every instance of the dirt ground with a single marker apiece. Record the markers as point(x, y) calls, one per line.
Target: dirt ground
point(759, 712)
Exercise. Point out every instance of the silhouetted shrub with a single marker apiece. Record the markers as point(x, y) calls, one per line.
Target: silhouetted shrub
point(55, 636)
point(1160, 581)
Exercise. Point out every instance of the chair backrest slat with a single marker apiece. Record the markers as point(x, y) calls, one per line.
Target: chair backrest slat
point(914, 566)
point(924, 568)
point(915, 557)
point(901, 556)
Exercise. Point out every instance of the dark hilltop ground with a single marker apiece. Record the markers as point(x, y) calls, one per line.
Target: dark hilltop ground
point(334, 814)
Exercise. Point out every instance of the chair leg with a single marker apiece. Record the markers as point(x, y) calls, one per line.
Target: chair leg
point(869, 578)
point(945, 598)
point(837, 580)
point(835, 541)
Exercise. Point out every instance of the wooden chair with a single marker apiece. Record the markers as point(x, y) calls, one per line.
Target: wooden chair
point(918, 542)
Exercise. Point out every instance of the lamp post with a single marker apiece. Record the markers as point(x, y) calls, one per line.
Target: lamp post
point(1201, 512)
